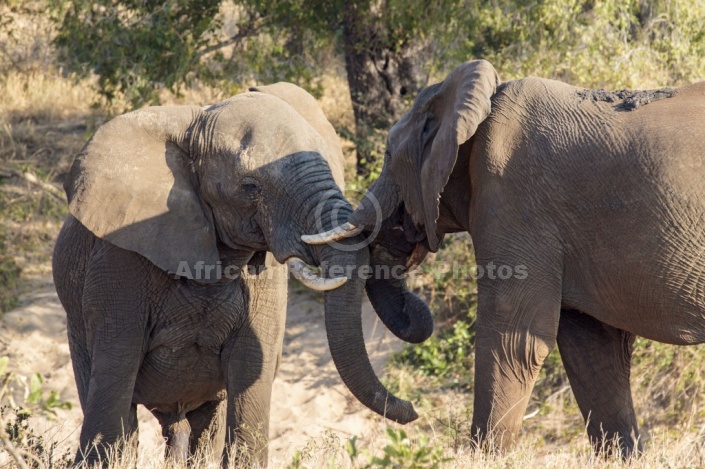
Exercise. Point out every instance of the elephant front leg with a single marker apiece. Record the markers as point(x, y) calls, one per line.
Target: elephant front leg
point(249, 376)
point(517, 323)
point(597, 359)
point(115, 312)
point(250, 360)
point(109, 415)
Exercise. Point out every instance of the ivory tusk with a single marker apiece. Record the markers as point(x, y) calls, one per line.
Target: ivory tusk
point(344, 231)
point(417, 256)
point(308, 276)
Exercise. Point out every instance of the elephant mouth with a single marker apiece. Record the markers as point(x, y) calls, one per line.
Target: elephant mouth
point(402, 238)
point(398, 235)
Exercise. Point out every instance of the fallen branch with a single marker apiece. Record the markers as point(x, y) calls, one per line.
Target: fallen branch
point(32, 178)
point(11, 450)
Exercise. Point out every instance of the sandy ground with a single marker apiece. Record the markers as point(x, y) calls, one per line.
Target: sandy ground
point(308, 400)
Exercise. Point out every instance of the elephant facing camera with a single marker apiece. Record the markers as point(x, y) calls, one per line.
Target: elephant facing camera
point(173, 264)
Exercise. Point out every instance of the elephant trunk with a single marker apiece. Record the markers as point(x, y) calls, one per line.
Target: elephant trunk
point(404, 313)
point(377, 205)
point(345, 339)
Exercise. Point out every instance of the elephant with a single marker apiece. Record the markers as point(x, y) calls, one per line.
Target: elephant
point(170, 266)
point(598, 195)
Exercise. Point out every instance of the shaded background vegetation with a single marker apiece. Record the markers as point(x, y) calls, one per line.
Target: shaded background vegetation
point(65, 67)
point(390, 47)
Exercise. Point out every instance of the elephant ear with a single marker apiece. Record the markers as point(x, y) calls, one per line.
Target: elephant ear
point(308, 108)
point(466, 93)
point(133, 185)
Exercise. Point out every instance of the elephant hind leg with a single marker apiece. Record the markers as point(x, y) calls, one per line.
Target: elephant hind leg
point(597, 359)
point(208, 429)
point(176, 431)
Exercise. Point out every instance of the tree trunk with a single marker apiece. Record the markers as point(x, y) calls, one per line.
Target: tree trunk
point(382, 75)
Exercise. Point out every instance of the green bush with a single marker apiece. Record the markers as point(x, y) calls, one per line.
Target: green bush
point(592, 43)
point(400, 452)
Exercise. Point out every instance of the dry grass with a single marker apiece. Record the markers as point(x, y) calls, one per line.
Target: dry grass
point(378, 450)
point(44, 121)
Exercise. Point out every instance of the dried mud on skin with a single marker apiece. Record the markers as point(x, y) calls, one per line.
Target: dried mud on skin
point(627, 100)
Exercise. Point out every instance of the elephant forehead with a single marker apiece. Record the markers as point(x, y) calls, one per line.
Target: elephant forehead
point(260, 128)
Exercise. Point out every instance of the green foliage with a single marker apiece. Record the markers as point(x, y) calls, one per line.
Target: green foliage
point(447, 281)
point(400, 452)
point(633, 44)
point(446, 356)
point(136, 46)
point(397, 23)
point(36, 400)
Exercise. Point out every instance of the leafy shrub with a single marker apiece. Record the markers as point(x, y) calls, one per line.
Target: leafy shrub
point(604, 43)
point(400, 452)
point(446, 356)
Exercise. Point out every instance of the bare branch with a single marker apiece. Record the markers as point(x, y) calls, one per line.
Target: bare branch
point(14, 452)
point(34, 180)
point(244, 30)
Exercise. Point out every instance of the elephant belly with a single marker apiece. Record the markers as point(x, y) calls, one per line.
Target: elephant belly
point(657, 299)
point(179, 380)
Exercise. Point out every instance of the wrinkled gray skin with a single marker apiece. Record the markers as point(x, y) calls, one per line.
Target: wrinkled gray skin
point(600, 195)
point(236, 183)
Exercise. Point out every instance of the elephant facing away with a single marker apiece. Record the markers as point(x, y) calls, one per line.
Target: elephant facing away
point(170, 269)
point(599, 194)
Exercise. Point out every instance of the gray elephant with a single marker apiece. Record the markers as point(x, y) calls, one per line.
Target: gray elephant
point(600, 195)
point(169, 268)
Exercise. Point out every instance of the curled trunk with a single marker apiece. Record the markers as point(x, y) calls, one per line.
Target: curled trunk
point(343, 305)
point(404, 313)
point(345, 338)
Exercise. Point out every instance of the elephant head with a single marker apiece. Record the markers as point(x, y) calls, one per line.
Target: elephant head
point(404, 203)
point(422, 150)
point(190, 187)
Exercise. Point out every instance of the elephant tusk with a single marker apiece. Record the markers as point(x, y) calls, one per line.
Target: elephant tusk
point(308, 276)
point(417, 256)
point(340, 232)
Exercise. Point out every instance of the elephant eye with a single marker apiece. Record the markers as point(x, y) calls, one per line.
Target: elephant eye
point(427, 127)
point(250, 186)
